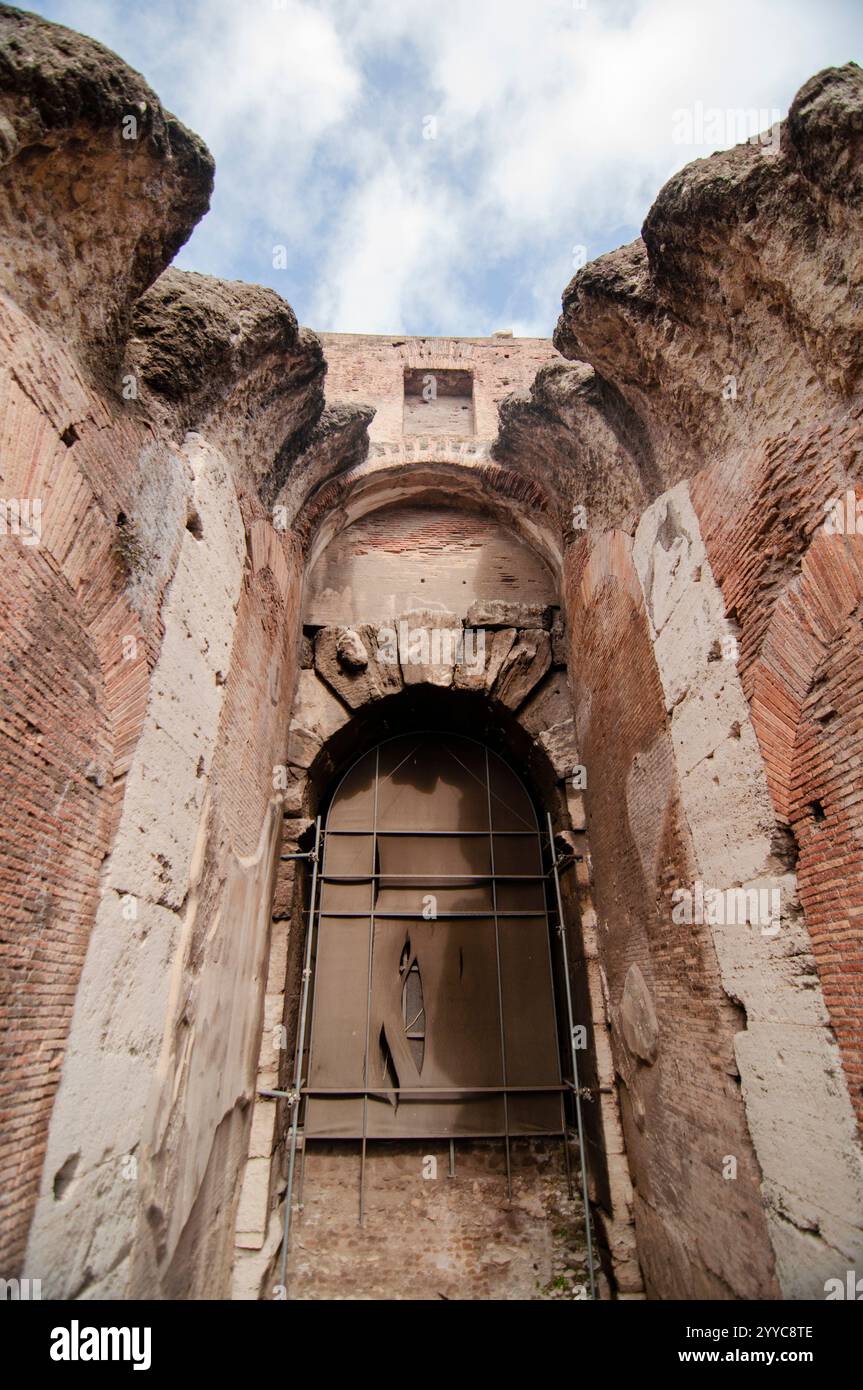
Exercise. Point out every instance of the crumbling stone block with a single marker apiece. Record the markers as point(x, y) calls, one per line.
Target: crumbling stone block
point(523, 667)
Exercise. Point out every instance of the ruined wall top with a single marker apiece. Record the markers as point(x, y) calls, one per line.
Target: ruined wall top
point(437, 388)
point(100, 186)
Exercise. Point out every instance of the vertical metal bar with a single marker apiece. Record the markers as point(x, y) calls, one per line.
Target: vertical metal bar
point(561, 926)
point(567, 1164)
point(316, 945)
point(499, 983)
point(302, 1183)
point(452, 1158)
point(369, 988)
point(314, 1007)
point(298, 1070)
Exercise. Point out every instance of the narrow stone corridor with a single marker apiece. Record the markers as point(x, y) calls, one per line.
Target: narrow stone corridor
point(406, 736)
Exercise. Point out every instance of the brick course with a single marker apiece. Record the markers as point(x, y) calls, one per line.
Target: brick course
point(796, 593)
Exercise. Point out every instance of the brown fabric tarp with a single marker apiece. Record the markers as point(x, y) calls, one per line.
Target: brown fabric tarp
point(361, 1035)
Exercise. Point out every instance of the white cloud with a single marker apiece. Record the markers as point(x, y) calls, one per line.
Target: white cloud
point(563, 120)
point(264, 83)
point(555, 127)
point(393, 254)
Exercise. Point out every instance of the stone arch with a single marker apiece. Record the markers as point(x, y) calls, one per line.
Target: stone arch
point(426, 705)
point(341, 730)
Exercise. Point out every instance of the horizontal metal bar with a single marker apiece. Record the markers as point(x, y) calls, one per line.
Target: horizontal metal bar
point(432, 1138)
point(587, 1092)
point(426, 1090)
point(424, 834)
point(438, 878)
point(538, 914)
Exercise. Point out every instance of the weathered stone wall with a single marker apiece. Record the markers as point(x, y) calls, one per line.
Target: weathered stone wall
point(459, 1237)
point(72, 700)
point(392, 561)
point(672, 1025)
point(81, 612)
point(150, 651)
point(795, 591)
point(724, 347)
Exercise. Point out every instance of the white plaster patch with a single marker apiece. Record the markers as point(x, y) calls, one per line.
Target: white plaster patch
point(716, 793)
point(204, 1082)
point(796, 1096)
point(120, 1010)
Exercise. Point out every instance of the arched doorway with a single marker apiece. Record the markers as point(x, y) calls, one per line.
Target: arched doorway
point(480, 647)
point(428, 1025)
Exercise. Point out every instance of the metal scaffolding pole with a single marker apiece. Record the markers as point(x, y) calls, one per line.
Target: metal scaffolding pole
point(499, 980)
point(372, 906)
point(561, 927)
point(294, 1097)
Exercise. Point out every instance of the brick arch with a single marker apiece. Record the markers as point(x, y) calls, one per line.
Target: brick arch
point(472, 484)
point(439, 355)
point(806, 687)
point(74, 693)
point(78, 539)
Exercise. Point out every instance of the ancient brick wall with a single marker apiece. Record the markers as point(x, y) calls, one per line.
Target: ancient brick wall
point(167, 725)
point(73, 680)
point(393, 561)
point(55, 830)
point(681, 1105)
point(139, 735)
point(370, 369)
point(752, 608)
point(795, 590)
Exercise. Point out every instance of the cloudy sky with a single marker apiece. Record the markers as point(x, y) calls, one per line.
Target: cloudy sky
point(442, 166)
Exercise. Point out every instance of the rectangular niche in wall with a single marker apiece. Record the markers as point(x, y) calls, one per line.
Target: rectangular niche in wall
point(438, 402)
